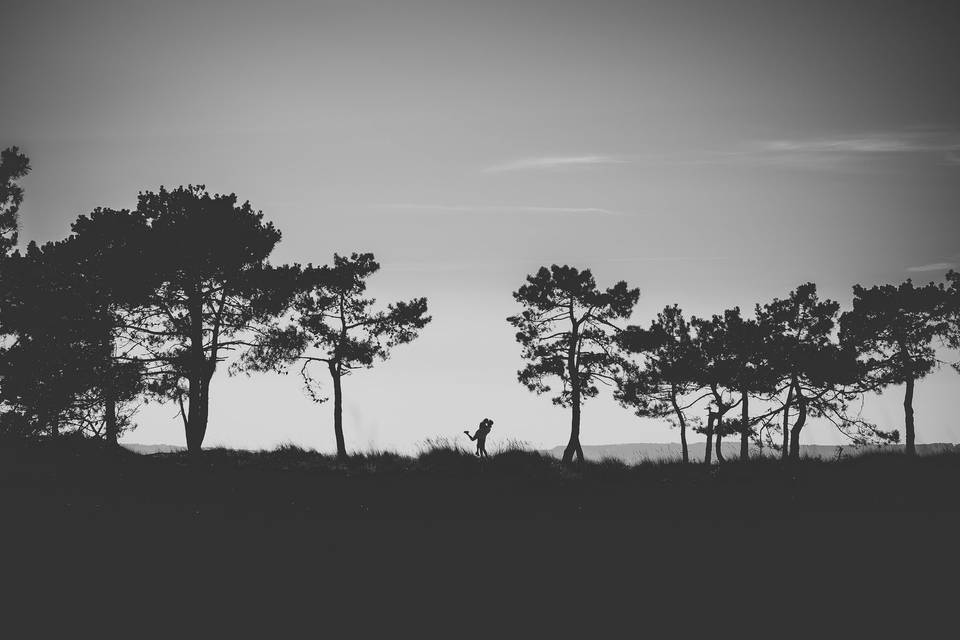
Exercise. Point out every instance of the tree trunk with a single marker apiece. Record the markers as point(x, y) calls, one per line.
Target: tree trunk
point(338, 411)
point(744, 425)
point(718, 427)
point(193, 405)
point(711, 417)
point(684, 452)
point(911, 448)
point(197, 412)
point(798, 427)
point(199, 378)
point(573, 371)
point(785, 452)
point(111, 429)
point(573, 446)
point(683, 428)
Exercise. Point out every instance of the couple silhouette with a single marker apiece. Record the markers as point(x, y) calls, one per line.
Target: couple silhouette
point(481, 436)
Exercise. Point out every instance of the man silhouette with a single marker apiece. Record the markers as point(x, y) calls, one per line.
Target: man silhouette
point(481, 436)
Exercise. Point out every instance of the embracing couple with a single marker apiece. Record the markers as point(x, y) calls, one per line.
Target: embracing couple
point(481, 436)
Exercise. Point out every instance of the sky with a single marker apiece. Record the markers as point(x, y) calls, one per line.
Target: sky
point(711, 154)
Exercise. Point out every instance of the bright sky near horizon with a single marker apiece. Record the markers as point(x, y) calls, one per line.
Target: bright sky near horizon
point(712, 154)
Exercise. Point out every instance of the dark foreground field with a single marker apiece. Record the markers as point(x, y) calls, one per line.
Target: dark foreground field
point(518, 543)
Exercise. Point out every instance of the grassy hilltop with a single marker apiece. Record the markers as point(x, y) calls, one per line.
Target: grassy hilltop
point(446, 481)
point(433, 535)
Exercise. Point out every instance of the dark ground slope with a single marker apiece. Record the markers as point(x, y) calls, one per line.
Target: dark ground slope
point(392, 544)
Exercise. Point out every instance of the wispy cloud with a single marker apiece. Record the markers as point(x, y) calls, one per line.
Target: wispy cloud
point(826, 152)
point(498, 209)
point(546, 163)
point(936, 266)
point(875, 144)
point(943, 144)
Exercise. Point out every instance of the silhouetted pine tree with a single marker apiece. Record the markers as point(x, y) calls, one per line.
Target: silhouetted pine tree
point(718, 373)
point(214, 288)
point(662, 383)
point(57, 366)
point(893, 329)
point(817, 376)
point(567, 331)
point(13, 166)
point(334, 324)
point(952, 313)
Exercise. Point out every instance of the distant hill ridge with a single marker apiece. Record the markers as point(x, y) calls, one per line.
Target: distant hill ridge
point(148, 449)
point(641, 451)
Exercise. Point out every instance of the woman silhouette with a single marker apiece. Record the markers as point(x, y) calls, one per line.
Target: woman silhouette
point(481, 436)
